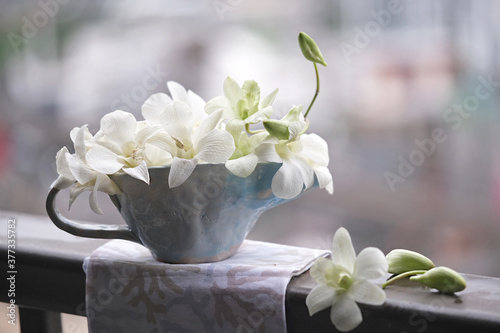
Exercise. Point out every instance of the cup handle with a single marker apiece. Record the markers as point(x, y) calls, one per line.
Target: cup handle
point(86, 230)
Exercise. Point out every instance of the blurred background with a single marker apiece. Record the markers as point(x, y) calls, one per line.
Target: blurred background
point(409, 105)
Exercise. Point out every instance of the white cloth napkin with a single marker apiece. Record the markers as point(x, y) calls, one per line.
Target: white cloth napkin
point(129, 291)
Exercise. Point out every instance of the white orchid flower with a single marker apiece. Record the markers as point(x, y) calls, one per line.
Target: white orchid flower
point(302, 158)
point(205, 143)
point(121, 145)
point(156, 103)
point(250, 150)
point(344, 280)
point(74, 168)
point(242, 105)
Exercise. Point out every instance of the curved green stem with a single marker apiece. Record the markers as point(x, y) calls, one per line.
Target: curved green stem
point(317, 90)
point(401, 276)
point(249, 131)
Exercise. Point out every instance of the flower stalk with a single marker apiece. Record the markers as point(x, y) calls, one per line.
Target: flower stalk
point(316, 92)
point(311, 52)
point(402, 276)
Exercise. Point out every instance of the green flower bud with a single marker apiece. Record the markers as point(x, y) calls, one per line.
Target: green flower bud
point(401, 261)
point(444, 279)
point(277, 128)
point(310, 49)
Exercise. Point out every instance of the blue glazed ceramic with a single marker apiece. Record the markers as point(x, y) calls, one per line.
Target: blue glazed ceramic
point(203, 220)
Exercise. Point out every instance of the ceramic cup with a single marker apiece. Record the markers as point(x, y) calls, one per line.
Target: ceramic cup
point(203, 220)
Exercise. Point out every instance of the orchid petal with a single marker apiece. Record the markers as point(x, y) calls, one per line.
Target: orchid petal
point(260, 115)
point(80, 148)
point(329, 188)
point(154, 106)
point(119, 127)
point(178, 92)
point(94, 205)
point(107, 186)
point(140, 125)
point(177, 120)
point(87, 136)
point(82, 173)
point(146, 133)
point(324, 178)
point(345, 314)
point(62, 182)
point(163, 141)
point(157, 156)
point(295, 128)
point(315, 149)
point(295, 114)
point(103, 160)
point(267, 153)
point(220, 103)
point(271, 139)
point(287, 183)
point(269, 99)
point(139, 172)
point(75, 191)
point(208, 125)
point(370, 264)
point(235, 127)
point(366, 292)
point(256, 139)
point(216, 147)
point(180, 170)
point(251, 93)
point(342, 250)
point(62, 163)
point(319, 298)
point(243, 166)
point(197, 106)
point(232, 90)
point(306, 171)
point(321, 268)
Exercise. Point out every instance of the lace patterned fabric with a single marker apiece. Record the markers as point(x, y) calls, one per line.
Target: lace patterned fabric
point(129, 291)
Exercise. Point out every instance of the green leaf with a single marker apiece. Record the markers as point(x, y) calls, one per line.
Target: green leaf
point(310, 49)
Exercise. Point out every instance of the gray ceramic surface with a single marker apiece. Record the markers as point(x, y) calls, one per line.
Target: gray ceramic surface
point(203, 220)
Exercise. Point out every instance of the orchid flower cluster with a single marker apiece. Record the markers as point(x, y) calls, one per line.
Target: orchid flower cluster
point(182, 131)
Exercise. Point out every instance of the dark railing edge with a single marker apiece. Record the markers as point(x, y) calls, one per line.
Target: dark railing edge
point(60, 287)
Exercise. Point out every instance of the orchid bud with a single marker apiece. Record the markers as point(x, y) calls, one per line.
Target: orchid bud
point(401, 261)
point(310, 49)
point(444, 279)
point(277, 128)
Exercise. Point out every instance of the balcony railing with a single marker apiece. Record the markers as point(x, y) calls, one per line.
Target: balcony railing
point(50, 280)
